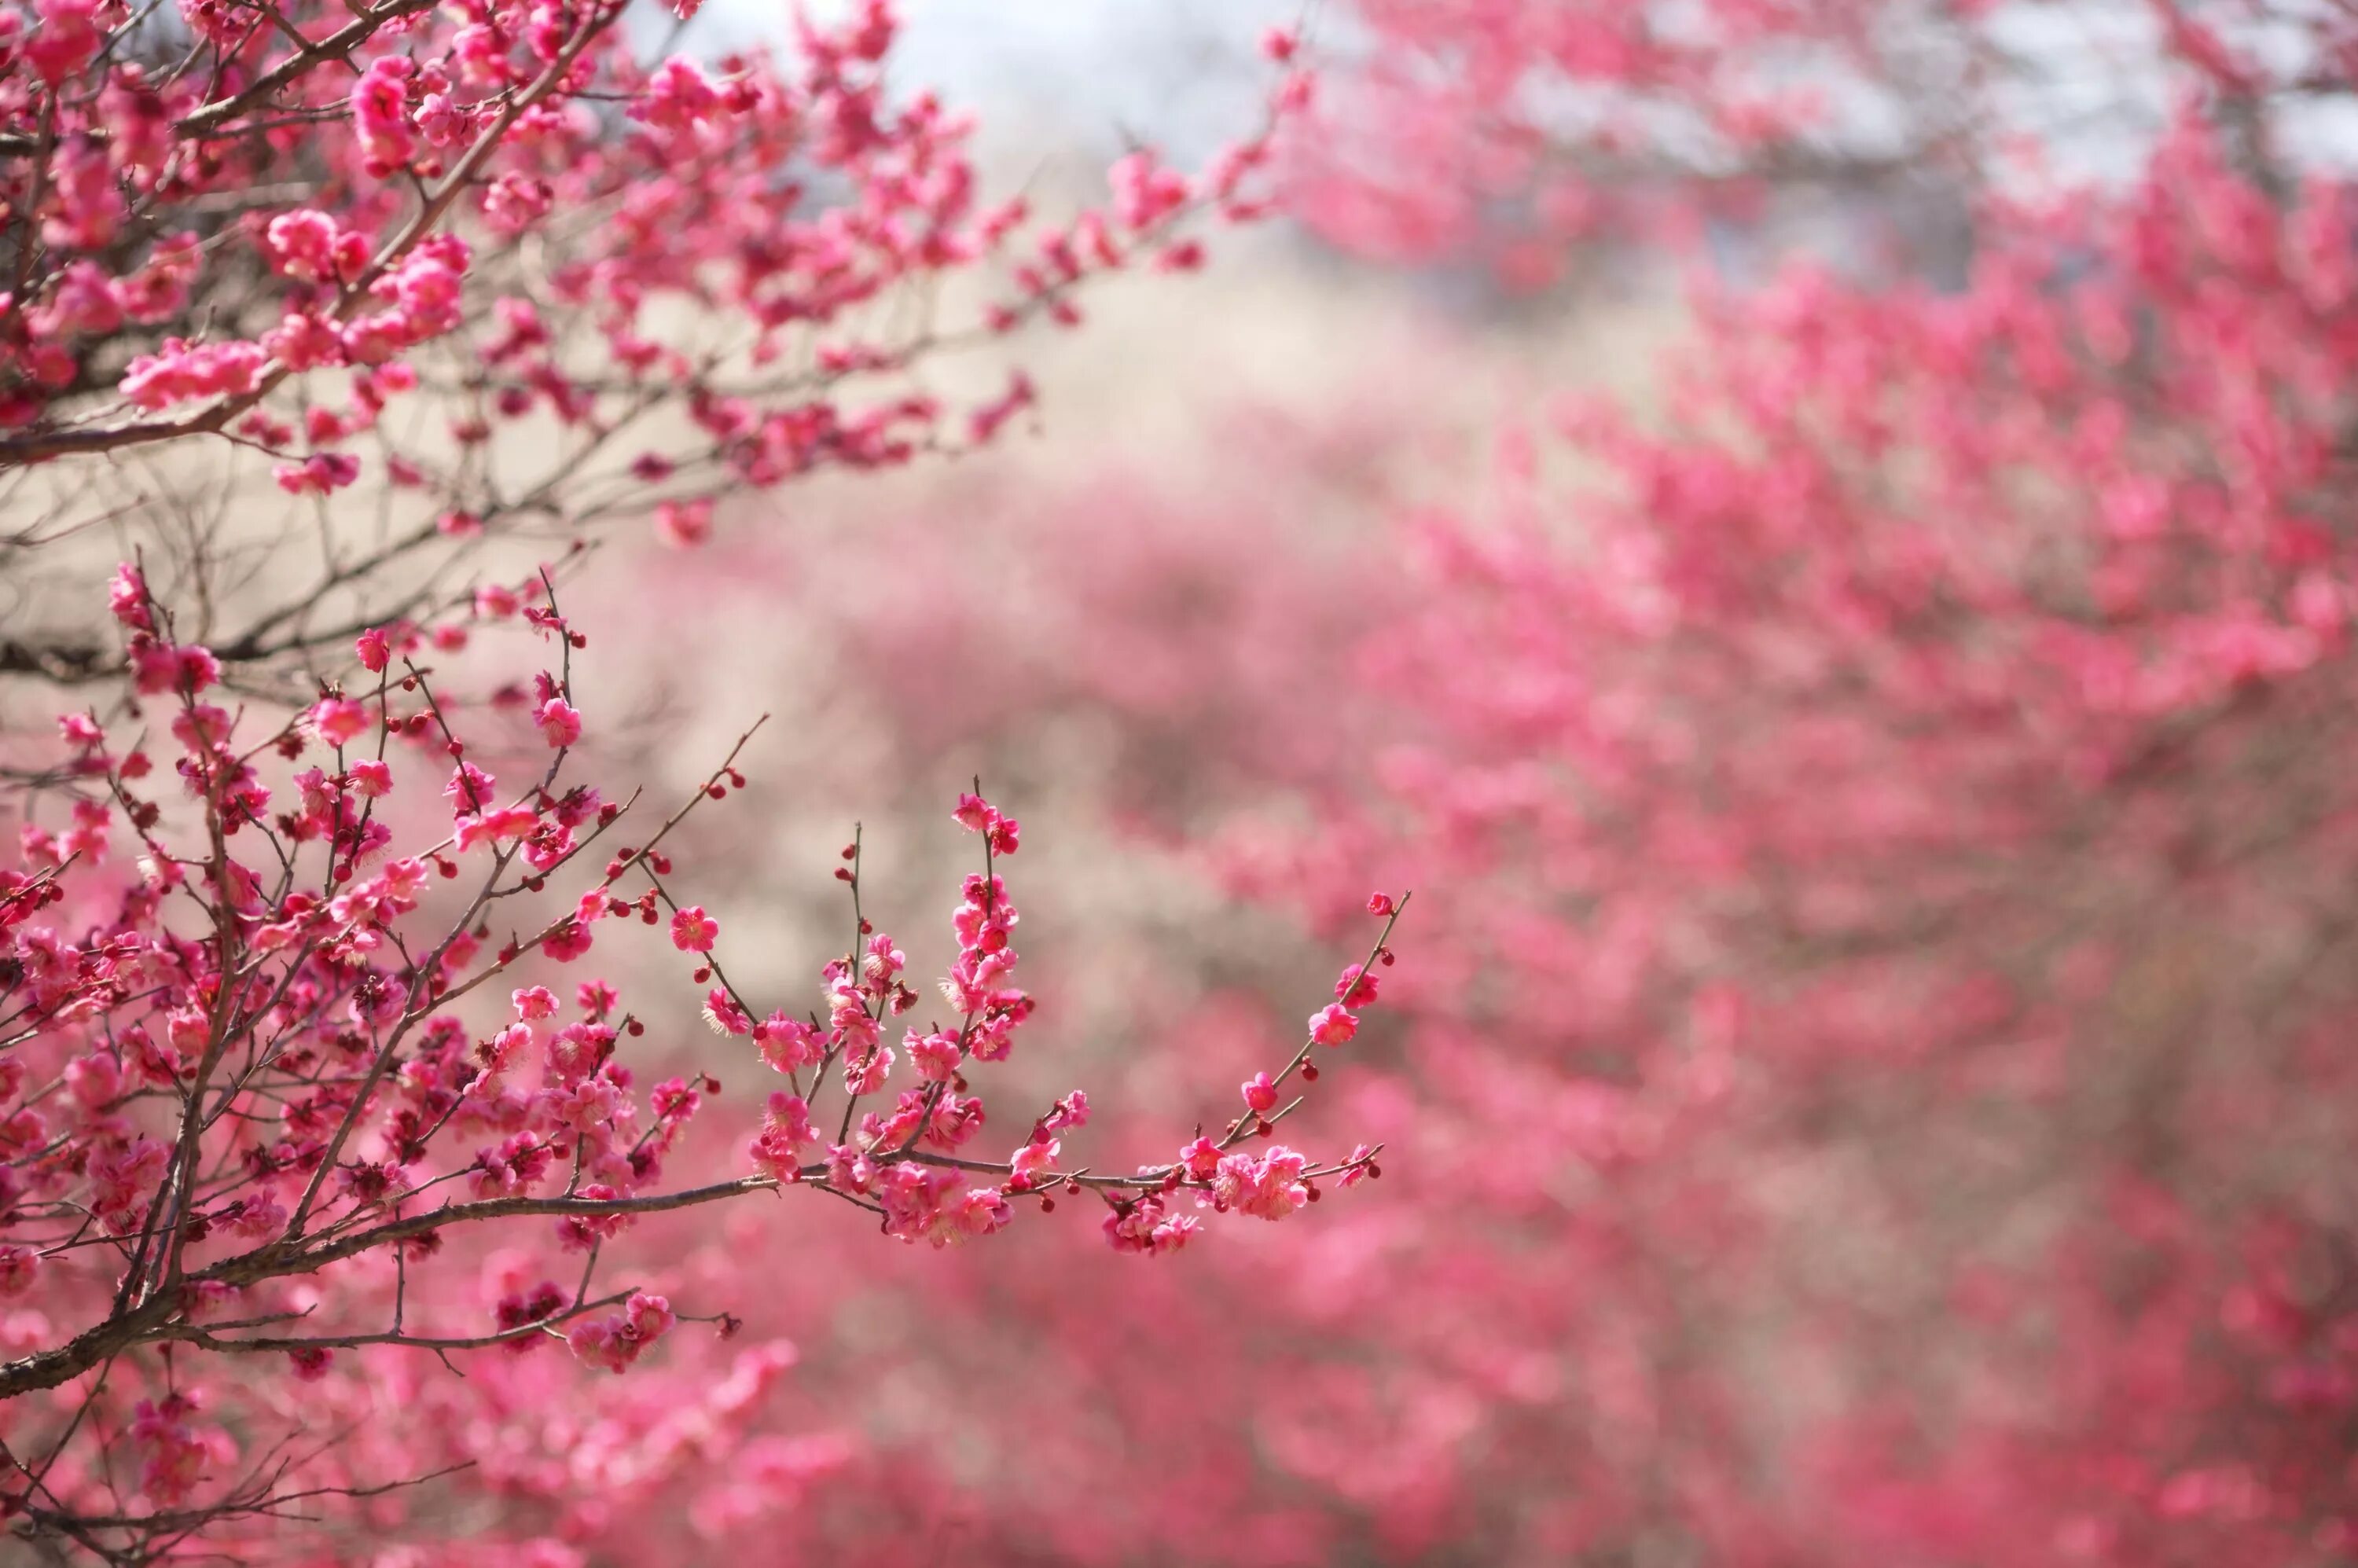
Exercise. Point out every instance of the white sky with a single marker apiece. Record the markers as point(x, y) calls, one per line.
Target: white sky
point(1077, 73)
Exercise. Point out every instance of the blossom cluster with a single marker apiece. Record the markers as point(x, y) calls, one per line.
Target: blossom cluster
point(255, 1105)
point(410, 252)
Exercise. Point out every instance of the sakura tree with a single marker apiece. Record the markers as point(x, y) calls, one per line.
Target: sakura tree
point(309, 1141)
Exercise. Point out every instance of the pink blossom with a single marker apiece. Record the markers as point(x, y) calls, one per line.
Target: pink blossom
point(693, 931)
point(93, 1080)
point(684, 524)
point(789, 1044)
point(319, 474)
point(337, 721)
point(64, 39)
point(1331, 1026)
point(380, 114)
point(1145, 191)
point(1268, 1187)
point(1143, 1225)
point(777, 1150)
point(126, 599)
point(612, 1342)
point(1073, 1110)
point(722, 1011)
point(936, 1056)
point(559, 721)
point(679, 97)
point(308, 245)
point(181, 372)
point(502, 825)
point(1034, 1160)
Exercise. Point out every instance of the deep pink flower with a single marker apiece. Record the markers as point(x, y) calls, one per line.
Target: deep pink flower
point(559, 721)
point(373, 648)
point(693, 931)
point(1331, 1026)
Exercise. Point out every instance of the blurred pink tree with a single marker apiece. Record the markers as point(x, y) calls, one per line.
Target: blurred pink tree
point(1878, 1091)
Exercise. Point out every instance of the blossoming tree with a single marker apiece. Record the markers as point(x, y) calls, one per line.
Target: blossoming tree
point(310, 1140)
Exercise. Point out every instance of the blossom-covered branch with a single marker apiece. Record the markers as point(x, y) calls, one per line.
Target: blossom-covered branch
point(250, 1084)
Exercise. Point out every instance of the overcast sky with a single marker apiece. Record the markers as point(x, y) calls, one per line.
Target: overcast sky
point(1079, 73)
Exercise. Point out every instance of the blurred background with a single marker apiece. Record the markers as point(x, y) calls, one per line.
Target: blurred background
point(1815, 538)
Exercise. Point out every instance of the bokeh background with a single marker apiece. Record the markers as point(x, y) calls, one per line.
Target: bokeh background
point(1868, 1082)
